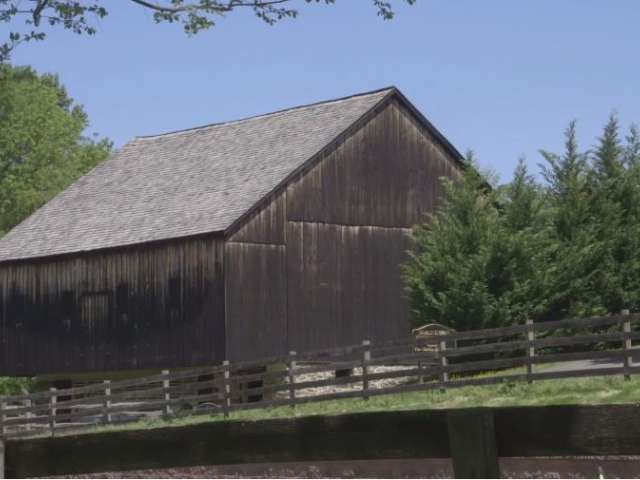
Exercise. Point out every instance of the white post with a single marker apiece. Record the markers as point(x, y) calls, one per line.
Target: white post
point(1, 458)
point(227, 388)
point(531, 350)
point(292, 378)
point(107, 401)
point(442, 347)
point(52, 410)
point(167, 395)
point(366, 358)
point(3, 407)
point(626, 327)
point(28, 414)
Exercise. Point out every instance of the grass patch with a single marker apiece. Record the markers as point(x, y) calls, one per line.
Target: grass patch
point(581, 391)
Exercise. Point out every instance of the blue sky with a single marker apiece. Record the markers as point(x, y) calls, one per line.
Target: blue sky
point(501, 77)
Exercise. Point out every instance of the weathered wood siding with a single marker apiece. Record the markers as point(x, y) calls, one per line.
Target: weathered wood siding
point(386, 174)
point(317, 266)
point(266, 225)
point(349, 219)
point(344, 284)
point(337, 235)
point(256, 286)
point(144, 307)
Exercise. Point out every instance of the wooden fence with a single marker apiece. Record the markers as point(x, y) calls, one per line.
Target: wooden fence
point(440, 362)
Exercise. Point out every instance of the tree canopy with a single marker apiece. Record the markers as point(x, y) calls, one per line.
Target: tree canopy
point(567, 245)
point(42, 145)
point(79, 16)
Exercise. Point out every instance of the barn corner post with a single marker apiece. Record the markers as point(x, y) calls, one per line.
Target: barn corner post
point(472, 443)
point(626, 343)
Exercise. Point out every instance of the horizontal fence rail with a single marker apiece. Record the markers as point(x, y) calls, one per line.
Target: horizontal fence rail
point(437, 362)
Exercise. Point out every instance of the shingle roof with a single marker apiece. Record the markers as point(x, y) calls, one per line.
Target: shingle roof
point(183, 183)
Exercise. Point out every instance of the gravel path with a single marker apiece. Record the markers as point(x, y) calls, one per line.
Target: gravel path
point(587, 364)
point(351, 387)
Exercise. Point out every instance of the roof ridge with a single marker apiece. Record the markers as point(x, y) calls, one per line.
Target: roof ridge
point(261, 115)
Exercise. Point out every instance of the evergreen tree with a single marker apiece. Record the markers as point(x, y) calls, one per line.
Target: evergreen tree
point(566, 177)
point(567, 248)
point(474, 262)
point(608, 157)
point(632, 149)
point(446, 275)
point(523, 246)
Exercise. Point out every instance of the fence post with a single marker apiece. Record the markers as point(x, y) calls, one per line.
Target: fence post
point(626, 328)
point(243, 392)
point(167, 394)
point(52, 410)
point(442, 353)
point(292, 378)
point(531, 350)
point(107, 401)
point(3, 407)
point(28, 404)
point(226, 402)
point(366, 358)
point(1, 458)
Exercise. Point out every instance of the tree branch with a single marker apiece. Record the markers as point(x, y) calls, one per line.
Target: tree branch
point(208, 6)
point(41, 5)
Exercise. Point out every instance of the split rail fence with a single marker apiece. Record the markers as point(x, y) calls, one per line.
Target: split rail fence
point(511, 354)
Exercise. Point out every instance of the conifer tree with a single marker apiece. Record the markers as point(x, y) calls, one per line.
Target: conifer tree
point(446, 277)
point(567, 248)
point(632, 148)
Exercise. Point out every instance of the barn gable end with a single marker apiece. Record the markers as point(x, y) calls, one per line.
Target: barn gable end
point(334, 235)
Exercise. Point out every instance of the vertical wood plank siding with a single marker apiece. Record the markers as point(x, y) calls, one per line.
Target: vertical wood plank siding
point(144, 307)
point(317, 266)
point(337, 236)
point(386, 174)
point(344, 284)
point(256, 300)
point(266, 225)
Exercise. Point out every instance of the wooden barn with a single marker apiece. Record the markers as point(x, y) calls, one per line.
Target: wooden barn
point(237, 240)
